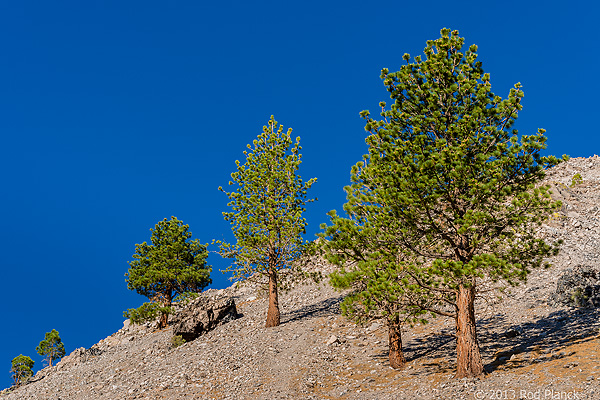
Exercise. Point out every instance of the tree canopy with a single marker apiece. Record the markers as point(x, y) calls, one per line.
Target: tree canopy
point(52, 347)
point(267, 214)
point(21, 369)
point(170, 266)
point(449, 185)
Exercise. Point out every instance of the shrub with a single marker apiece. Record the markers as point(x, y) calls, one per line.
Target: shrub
point(577, 179)
point(177, 341)
point(147, 312)
point(579, 297)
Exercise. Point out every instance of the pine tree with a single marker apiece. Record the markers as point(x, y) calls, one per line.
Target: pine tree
point(452, 186)
point(267, 219)
point(51, 348)
point(21, 369)
point(374, 266)
point(381, 289)
point(170, 266)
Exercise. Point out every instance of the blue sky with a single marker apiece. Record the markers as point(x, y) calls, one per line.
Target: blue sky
point(115, 115)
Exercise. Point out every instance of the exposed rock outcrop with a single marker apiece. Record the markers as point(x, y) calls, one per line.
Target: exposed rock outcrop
point(578, 287)
point(202, 315)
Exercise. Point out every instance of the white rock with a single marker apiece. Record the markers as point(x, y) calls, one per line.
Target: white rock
point(374, 326)
point(333, 339)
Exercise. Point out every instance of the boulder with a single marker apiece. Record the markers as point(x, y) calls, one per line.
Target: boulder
point(578, 287)
point(202, 315)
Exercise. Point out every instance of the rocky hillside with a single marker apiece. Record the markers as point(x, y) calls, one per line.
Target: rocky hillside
point(533, 347)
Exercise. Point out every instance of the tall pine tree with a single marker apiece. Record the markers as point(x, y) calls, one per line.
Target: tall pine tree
point(460, 189)
point(266, 217)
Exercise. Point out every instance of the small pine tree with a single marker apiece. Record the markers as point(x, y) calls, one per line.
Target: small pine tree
point(21, 369)
point(51, 348)
point(381, 290)
point(170, 266)
point(375, 267)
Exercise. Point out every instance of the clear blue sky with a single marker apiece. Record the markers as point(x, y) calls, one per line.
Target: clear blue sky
point(117, 114)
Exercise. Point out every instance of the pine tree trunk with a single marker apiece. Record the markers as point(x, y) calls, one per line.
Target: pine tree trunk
point(273, 313)
point(397, 360)
point(468, 357)
point(164, 317)
point(164, 320)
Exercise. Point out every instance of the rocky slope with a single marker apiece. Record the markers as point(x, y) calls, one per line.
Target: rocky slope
point(532, 347)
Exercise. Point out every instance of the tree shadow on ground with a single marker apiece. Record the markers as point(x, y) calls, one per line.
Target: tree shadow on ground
point(438, 348)
point(324, 308)
point(499, 339)
point(544, 335)
point(431, 346)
